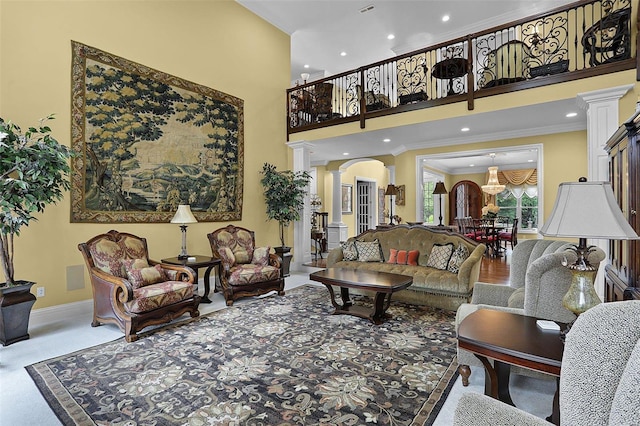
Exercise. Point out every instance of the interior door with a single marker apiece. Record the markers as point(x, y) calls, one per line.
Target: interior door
point(465, 199)
point(365, 202)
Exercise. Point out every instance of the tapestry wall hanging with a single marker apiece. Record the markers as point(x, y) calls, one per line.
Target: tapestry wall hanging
point(148, 141)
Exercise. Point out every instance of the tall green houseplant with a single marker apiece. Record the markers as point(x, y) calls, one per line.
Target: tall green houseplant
point(34, 171)
point(284, 193)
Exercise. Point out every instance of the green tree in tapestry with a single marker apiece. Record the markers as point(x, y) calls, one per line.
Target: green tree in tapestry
point(223, 158)
point(130, 169)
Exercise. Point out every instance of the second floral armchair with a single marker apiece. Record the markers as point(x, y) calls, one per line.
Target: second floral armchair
point(245, 270)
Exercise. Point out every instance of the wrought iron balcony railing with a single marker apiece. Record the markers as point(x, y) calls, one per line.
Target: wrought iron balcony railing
point(584, 39)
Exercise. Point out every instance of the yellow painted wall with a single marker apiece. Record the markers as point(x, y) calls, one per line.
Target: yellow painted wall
point(564, 159)
point(371, 170)
point(218, 44)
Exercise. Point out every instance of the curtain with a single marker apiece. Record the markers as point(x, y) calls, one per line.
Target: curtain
point(519, 182)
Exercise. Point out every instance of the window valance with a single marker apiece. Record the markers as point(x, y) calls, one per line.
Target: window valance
point(518, 177)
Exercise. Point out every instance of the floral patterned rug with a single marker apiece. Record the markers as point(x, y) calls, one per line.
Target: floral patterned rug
point(270, 361)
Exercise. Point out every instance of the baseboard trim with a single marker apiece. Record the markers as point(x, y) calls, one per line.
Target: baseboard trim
point(53, 313)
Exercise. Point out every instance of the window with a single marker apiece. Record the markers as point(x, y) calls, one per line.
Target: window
point(430, 204)
point(525, 207)
point(428, 208)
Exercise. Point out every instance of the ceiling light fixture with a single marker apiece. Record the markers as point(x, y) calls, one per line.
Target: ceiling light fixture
point(445, 18)
point(386, 140)
point(571, 114)
point(306, 65)
point(391, 37)
point(345, 153)
point(464, 129)
point(343, 53)
point(493, 186)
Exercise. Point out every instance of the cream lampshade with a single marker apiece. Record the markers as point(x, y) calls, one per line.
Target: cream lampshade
point(183, 216)
point(586, 210)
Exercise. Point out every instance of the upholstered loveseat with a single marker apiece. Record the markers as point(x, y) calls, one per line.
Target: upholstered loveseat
point(411, 250)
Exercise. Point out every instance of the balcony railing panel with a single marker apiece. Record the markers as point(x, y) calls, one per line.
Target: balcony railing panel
point(584, 39)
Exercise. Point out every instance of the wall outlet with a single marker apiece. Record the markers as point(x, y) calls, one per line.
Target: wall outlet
point(40, 291)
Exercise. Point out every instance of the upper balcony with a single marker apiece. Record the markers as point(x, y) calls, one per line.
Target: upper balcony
point(583, 39)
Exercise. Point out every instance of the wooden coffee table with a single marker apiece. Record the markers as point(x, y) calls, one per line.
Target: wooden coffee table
point(511, 339)
point(384, 284)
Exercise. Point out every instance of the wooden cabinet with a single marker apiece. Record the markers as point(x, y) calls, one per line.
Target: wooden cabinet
point(622, 274)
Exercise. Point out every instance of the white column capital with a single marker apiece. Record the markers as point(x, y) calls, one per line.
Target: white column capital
point(602, 95)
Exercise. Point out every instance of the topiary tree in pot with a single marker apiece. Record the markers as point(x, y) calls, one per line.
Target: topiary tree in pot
point(284, 193)
point(34, 170)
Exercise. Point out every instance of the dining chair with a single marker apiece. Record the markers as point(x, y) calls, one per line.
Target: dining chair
point(510, 235)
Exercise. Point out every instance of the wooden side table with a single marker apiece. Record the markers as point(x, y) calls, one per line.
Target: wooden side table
point(511, 339)
point(199, 262)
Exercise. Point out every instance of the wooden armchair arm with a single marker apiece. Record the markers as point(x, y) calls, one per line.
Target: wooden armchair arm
point(183, 273)
point(275, 260)
point(121, 288)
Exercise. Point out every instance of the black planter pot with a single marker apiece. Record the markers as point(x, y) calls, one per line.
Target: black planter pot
point(285, 254)
point(15, 309)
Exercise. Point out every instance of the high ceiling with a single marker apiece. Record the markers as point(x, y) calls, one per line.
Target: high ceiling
point(321, 29)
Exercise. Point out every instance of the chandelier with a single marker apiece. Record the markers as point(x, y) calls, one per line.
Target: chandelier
point(493, 186)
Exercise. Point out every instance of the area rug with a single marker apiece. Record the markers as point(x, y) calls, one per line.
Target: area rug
point(270, 361)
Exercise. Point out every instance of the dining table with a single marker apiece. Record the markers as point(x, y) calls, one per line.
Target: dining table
point(487, 231)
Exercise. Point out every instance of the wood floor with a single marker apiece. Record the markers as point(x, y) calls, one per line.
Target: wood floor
point(493, 269)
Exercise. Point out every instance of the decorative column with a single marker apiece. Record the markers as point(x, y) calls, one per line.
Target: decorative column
point(603, 119)
point(336, 230)
point(302, 228)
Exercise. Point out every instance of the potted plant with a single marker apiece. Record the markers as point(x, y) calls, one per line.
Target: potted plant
point(284, 193)
point(34, 169)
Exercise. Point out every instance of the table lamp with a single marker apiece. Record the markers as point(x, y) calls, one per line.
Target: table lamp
point(391, 191)
point(585, 210)
point(440, 190)
point(183, 216)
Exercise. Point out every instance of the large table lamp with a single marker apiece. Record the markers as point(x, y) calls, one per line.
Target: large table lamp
point(440, 190)
point(391, 191)
point(183, 216)
point(585, 210)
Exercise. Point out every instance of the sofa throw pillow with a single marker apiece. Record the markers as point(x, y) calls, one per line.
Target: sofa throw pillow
point(457, 258)
point(368, 251)
point(261, 256)
point(412, 257)
point(140, 274)
point(440, 256)
point(349, 251)
point(403, 257)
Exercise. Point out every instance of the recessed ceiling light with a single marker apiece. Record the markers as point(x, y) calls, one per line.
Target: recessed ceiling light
point(306, 65)
point(529, 161)
point(343, 53)
point(391, 37)
point(464, 129)
point(345, 153)
point(471, 165)
point(571, 114)
point(386, 140)
point(445, 18)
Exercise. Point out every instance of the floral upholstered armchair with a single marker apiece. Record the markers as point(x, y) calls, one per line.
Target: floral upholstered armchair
point(131, 290)
point(246, 270)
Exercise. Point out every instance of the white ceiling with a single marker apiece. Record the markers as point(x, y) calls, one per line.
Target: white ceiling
point(321, 29)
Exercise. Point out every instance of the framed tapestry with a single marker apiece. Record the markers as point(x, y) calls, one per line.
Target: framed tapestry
point(148, 141)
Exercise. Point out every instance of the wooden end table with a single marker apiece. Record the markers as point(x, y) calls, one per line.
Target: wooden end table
point(511, 339)
point(199, 262)
point(384, 284)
